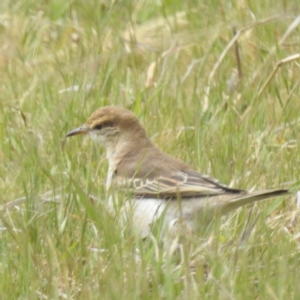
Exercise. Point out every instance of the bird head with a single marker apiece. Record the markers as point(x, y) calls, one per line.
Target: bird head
point(109, 124)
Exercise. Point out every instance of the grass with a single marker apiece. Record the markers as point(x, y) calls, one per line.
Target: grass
point(169, 63)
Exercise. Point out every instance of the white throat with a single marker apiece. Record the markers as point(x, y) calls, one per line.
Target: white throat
point(115, 152)
point(115, 146)
point(110, 144)
point(112, 165)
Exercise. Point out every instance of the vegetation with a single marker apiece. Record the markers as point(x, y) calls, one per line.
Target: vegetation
point(215, 83)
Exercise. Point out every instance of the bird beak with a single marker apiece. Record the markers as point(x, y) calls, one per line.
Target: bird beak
point(79, 130)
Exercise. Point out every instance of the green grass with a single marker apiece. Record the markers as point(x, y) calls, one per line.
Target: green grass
point(246, 137)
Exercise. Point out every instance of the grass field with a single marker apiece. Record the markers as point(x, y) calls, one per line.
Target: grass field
point(215, 83)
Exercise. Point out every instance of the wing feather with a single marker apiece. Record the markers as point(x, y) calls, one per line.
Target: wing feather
point(180, 184)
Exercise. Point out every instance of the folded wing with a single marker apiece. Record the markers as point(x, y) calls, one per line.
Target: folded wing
point(180, 184)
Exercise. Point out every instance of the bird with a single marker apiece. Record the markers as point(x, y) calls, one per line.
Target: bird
point(160, 186)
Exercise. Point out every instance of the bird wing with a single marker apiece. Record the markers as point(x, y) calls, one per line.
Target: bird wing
point(179, 184)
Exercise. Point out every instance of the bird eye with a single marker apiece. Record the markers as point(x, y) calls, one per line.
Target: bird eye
point(98, 127)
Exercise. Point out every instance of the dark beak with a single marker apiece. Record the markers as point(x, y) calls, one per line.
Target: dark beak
point(79, 130)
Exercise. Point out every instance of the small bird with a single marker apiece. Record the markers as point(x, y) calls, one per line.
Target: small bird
point(160, 185)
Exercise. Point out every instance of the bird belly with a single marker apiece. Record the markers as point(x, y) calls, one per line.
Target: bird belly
point(144, 213)
point(193, 212)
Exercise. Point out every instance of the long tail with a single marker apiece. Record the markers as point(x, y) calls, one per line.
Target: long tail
point(253, 197)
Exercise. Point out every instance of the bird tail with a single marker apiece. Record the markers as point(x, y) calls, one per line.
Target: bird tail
point(253, 197)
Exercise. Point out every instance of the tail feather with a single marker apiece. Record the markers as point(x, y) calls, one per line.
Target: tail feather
point(253, 197)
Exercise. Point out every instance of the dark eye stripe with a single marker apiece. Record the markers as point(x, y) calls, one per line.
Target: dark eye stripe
point(98, 127)
point(104, 124)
